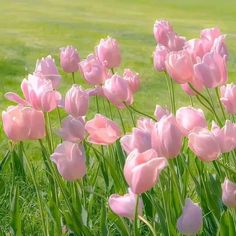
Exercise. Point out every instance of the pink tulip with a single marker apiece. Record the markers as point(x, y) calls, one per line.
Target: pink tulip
point(142, 170)
point(133, 79)
point(38, 93)
point(228, 97)
point(76, 101)
point(195, 48)
point(175, 43)
point(160, 112)
point(47, 69)
point(196, 84)
point(102, 130)
point(138, 139)
point(117, 91)
point(167, 137)
point(93, 70)
point(69, 58)
point(190, 222)
point(179, 66)
point(229, 193)
point(72, 129)
point(210, 34)
point(145, 124)
point(189, 118)
point(212, 70)
point(161, 31)
point(204, 144)
point(159, 57)
point(219, 46)
point(95, 91)
point(125, 205)
point(70, 160)
point(23, 123)
point(226, 136)
point(108, 52)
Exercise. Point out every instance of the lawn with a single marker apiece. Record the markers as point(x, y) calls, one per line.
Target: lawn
point(32, 29)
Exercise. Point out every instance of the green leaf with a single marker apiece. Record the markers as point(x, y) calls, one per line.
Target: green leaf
point(226, 226)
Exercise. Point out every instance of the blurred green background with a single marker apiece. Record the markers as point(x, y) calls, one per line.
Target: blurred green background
point(31, 29)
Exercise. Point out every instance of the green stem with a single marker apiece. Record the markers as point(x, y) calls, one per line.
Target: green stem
point(148, 224)
point(136, 232)
point(121, 120)
point(169, 90)
point(173, 96)
point(97, 105)
point(73, 77)
point(221, 106)
point(112, 71)
point(36, 189)
point(59, 115)
point(139, 112)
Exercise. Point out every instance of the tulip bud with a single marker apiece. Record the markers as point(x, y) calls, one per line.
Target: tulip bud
point(159, 57)
point(69, 59)
point(229, 193)
point(133, 79)
point(190, 222)
point(70, 160)
point(228, 97)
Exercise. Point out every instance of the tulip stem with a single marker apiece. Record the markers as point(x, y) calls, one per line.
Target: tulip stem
point(169, 90)
point(136, 233)
point(221, 106)
point(112, 71)
point(173, 96)
point(97, 105)
point(121, 119)
point(139, 112)
point(73, 77)
point(36, 189)
point(148, 224)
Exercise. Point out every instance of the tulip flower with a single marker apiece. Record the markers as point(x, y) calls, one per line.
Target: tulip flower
point(210, 34)
point(167, 137)
point(76, 101)
point(176, 43)
point(38, 93)
point(145, 124)
point(142, 170)
point(102, 130)
point(229, 193)
point(138, 139)
point(179, 66)
point(133, 80)
point(211, 71)
point(72, 129)
point(195, 48)
point(93, 70)
point(23, 123)
point(161, 31)
point(189, 118)
point(219, 46)
point(125, 205)
point(108, 52)
point(70, 160)
point(204, 144)
point(117, 91)
point(69, 58)
point(160, 112)
point(196, 84)
point(226, 136)
point(159, 57)
point(228, 97)
point(190, 222)
point(46, 68)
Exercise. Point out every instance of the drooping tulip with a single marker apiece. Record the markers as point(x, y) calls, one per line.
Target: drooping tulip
point(125, 205)
point(23, 123)
point(229, 193)
point(102, 130)
point(179, 66)
point(204, 144)
point(226, 135)
point(117, 91)
point(142, 170)
point(133, 79)
point(228, 97)
point(93, 70)
point(70, 160)
point(159, 57)
point(46, 68)
point(108, 52)
point(69, 59)
point(76, 101)
point(72, 129)
point(191, 220)
point(38, 93)
point(212, 70)
point(189, 118)
point(167, 137)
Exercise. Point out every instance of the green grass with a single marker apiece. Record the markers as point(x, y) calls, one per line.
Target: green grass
point(33, 29)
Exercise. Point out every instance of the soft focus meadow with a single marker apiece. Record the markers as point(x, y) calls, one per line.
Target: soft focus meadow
point(118, 118)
